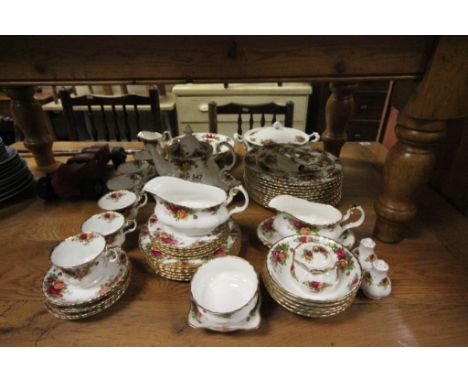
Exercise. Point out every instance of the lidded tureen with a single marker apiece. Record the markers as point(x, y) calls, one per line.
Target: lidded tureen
point(187, 158)
point(276, 134)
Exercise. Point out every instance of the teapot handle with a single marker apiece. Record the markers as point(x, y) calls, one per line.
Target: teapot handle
point(356, 223)
point(233, 192)
point(314, 137)
point(229, 166)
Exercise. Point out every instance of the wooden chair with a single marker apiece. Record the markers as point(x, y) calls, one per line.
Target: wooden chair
point(101, 104)
point(238, 109)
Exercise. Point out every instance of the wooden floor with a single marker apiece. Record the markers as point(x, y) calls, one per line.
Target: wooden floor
point(429, 304)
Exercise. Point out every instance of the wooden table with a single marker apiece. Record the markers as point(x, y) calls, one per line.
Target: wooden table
point(428, 269)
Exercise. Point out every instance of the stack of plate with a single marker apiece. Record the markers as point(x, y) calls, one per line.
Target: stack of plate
point(312, 299)
point(179, 264)
point(71, 302)
point(299, 171)
point(15, 176)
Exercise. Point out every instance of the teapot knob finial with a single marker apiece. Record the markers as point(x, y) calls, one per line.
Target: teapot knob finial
point(188, 130)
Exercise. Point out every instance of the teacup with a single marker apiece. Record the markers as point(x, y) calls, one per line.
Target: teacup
point(314, 267)
point(299, 216)
point(142, 168)
point(225, 289)
point(110, 224)
point(82, 258)
point(190, 208)
point(131, 182)
point(123, 201)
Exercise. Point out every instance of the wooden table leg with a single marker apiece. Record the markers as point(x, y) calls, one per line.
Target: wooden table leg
point(338, 111)
point(34, 124)
point(407, 168)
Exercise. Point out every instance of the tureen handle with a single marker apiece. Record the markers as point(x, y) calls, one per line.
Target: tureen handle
point(229, 166)
point(232, 192)
point(314, 137)
point(356, 223)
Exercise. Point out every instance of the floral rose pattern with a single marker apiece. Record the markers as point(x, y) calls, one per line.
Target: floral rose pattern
point(108, 216)
point(316, 286)
point(115, 196)
point(385, 282)
point(301, 228)
point(56, 287)
point(300, 138)
point(268, 142)
point(195, 312)
point(368, 278)
point(280, 254)
point(345, 260)
point(178, 212)
point(354, 282)
point(84, 237)
point(267, 227)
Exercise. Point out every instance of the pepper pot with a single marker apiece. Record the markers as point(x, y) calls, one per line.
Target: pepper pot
point(365, 253)
point(376, 283)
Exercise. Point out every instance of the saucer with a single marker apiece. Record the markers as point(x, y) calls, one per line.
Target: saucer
point(58, 292)
point(280, 257)
point(171, 239)
point(167, 260)
point(198, 321)
point(267, 234)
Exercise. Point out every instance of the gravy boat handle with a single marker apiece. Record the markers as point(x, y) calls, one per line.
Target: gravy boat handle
point(232, 192)
point(356, 223)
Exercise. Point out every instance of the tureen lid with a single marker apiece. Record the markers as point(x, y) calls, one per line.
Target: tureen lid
point(276, 134)
point(189, 146)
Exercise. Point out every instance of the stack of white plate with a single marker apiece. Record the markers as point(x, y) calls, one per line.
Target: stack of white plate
point(15, 176)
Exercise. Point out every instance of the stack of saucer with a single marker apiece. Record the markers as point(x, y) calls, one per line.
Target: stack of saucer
point(86, 278)
point(294, 170)
point(15, 176)
point(312, 276)
point(225, 296)
point(181, 260)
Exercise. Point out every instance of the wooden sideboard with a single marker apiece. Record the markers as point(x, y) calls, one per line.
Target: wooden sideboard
point(440, 65)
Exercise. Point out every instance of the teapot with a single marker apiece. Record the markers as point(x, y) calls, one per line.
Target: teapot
point(187, 158)
point(192, 209)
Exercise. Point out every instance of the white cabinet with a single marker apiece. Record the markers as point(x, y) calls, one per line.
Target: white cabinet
point(192, 102)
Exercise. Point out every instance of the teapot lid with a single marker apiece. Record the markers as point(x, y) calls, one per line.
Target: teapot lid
point(189, 146)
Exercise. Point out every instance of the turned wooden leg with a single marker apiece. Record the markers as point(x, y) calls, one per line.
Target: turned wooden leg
point(407, 168)
point(34, 124)
point(338, 111)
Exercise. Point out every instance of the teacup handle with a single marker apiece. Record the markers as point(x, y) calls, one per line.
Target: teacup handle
point(232, 192)
point(229, 166)
point(356, 223)
point(116, 251)
point(314, 137)
point(143, 200)
point(130, 226)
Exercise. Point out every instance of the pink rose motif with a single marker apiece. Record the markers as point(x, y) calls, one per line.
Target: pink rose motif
point(219, 251)
point(315, 284)
point(341, 254)
point(156, 253)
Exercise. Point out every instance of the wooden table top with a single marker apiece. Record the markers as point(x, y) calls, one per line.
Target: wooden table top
point(428, 305)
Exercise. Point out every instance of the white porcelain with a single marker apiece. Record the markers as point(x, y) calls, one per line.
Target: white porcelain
point(59, 291)
point(143, 155)
point(299, 216)
point(214, 139)
point(130, 182)
point(376, 283)
point(225, 289)
point(268, 235)
point(365, 253)
point(81, 258)
point(192, 209)
point(146, 247)
point(126, 202)
point(110, 224)
point(142, 168)
point(315, 267)
point(280, 259)
point(196, 319)
point(168, 237)
point(276, 134)
point(188, 158)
